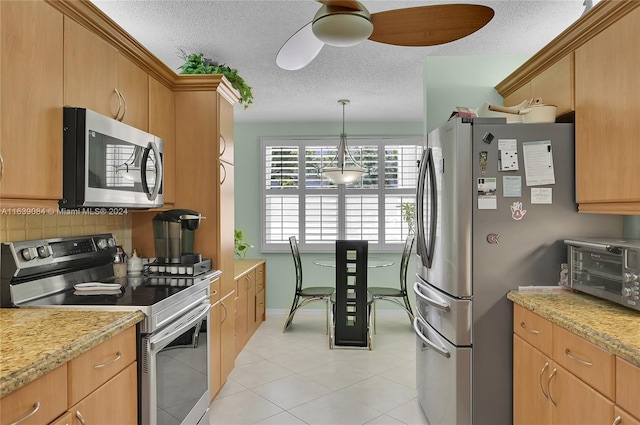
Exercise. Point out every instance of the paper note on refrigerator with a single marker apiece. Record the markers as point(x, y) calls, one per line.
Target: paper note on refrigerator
point(538, 163)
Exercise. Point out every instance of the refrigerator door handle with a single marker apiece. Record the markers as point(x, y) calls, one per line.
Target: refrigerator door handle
point(437, 304)
point(426, 241)
point(440, 350)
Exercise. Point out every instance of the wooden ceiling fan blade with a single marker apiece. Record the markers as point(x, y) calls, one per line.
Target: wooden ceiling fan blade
point(347, 4)
point(299, 50)
point(429, 25)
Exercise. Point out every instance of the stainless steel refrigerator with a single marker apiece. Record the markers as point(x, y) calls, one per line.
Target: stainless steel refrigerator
point(494, 203)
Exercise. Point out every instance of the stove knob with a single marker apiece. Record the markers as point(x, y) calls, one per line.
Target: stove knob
point(102, 243)
point(29, 253)
point(630, 277)
point(44, 251)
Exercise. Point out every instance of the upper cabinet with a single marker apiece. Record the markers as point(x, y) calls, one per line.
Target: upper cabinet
point(98, 77)
point(31, 104)
point(607, 128)
point(554, 86)
point(591, 68)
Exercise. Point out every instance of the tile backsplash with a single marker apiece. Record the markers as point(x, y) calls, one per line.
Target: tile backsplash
point(27, 227)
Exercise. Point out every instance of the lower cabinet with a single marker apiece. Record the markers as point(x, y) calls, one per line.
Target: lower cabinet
point(250, 299)
point(560, 378)
point(97, 387)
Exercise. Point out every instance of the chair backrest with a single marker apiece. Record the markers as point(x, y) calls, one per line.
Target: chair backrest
point(297, 264)
point(404, 262)
point(351, 307)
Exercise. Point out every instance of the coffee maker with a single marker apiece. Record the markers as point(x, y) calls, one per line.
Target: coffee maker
point(174, 235)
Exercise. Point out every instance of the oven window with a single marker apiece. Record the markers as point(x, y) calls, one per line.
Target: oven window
point(600, 271)
point(181, 375)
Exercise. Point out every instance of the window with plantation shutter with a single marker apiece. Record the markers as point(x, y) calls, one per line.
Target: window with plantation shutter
point(299, 201)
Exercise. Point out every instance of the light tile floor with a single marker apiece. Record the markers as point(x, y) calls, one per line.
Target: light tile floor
point(293, 377)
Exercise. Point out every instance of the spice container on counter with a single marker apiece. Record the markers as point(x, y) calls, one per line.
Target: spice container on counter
point(120, 263)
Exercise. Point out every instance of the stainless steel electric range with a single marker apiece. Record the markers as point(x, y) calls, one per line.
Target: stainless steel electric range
point(46, 273)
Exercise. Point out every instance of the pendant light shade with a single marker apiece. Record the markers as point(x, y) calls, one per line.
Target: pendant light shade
point(343, 168)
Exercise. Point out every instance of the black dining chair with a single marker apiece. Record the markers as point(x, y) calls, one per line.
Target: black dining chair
point(302, 295)
point(397, 294)
point(351, 303)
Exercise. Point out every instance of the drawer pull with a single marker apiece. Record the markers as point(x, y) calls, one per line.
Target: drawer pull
point(584, 362)
point(533, 331)
point(80, 417)
point(36, 407)
point(101, 365)
point(544, 369)
point(549, 386)
point(617, 420)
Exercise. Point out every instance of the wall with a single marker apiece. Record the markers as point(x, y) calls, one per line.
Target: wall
point(280, 271)
point(462, 81)
point(26, 227)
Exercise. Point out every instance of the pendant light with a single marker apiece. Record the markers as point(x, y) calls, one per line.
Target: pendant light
point(343, 172)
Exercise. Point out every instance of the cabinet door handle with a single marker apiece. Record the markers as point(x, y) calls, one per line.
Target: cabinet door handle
point(549, 386)
point(544, 369)
point(117, 116)
point(224, 177)
point(1, 166)
point(572, 357)
point(115, 359)
point(617, 420)
point(530, 330)
point(36, 407)
point(80, 417)
point(223, 143)
point(225, 313)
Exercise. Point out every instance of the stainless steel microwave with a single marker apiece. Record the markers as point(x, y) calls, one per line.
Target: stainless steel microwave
point(606, 268)
point(106, 163)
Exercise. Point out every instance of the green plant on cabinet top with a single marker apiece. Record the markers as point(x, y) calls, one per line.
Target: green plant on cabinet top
point(196, 63)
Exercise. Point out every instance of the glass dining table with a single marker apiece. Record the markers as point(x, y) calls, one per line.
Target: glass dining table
point(372, 262)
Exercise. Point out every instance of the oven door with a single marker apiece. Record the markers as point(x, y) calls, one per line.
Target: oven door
point(174, 378)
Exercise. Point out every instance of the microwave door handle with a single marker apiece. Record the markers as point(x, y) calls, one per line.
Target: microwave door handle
point(143, 171)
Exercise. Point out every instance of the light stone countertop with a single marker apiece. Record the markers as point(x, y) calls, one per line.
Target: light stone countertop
point(33, 342)
point(608, 325)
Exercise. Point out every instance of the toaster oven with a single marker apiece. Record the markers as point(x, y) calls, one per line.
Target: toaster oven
point(606, 268)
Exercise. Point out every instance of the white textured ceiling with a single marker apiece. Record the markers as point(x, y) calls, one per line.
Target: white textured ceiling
point(384, 83)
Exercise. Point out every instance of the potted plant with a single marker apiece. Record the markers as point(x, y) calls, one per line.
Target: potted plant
point(196, 63)
point(240, 246)
point(409, 215)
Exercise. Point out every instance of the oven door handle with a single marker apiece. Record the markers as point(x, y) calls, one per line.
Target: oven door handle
point(165, 336)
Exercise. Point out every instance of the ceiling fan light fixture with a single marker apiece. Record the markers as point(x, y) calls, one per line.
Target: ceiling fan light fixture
point(338, 27)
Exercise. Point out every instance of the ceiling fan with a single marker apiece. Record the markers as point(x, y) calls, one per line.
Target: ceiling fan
point(347, 22)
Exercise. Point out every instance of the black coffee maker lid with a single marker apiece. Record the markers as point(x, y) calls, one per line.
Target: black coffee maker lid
point(189, 219)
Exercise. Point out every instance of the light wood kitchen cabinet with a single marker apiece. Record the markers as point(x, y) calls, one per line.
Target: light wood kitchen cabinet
point(48, 393)
point(530, 371)
point(106, 372)
point(578, 383)
point(98, 77)
point(606, 77)
point(250, 283)
point(95, 367)
point(624, 418)
point(628, 387)
point(227, 337)
point(162, 124)
point(31, 99)
point(213, 337)
point(115, 402)
point(554, 86)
